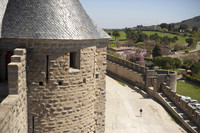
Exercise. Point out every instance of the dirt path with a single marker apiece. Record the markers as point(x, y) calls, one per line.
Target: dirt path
point(122, 112)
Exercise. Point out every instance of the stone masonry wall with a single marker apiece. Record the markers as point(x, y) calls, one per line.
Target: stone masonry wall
point(100, 92)
point(181, 103)
point(65, 99)
point(13, 109)
point(141, 76)
point(127, 70)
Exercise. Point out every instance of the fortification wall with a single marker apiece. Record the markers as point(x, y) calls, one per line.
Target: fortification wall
point(141, 76)
point(13, 109)
point(62, 98)
point(182, 104)
point(169, 77)
point(100, 91)
point(127, 70)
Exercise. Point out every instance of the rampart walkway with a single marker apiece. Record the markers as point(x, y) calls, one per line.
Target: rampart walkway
point(122, 112)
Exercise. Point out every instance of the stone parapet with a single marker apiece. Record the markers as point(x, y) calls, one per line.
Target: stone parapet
point(13, 109)
point(191, 111)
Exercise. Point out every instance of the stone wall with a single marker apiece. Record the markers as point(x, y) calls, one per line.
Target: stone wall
point(13, 109)
point(139, 75)
point(62, 98)
point(127, 70)
point(100, 92)
point(191, 111)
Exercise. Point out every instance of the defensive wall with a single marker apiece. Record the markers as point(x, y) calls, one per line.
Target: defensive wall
point(13, 109)
point(182, 104)
point(155, 84)
point(71, 99)
point(139, 75)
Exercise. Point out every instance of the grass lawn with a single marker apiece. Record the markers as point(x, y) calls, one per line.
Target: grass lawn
point(188, 90)
point(181, 40)
point(122, 38)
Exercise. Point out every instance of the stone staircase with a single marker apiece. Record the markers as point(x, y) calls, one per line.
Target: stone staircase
point(179, 114)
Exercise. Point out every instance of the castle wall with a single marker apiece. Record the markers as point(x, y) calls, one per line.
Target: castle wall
point(170, 78)
point(100, 92)
point(182, 104)
point(68, 99)
point(127, 70)
point(13, 109)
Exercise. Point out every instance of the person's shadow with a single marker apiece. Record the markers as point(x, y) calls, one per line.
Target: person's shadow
point(138, 116)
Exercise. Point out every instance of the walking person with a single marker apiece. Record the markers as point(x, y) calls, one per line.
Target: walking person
point(141, 112)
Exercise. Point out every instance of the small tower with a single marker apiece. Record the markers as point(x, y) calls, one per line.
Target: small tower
point(66, 63)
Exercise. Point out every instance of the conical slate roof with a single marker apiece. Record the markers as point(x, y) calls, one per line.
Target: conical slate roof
point(47, 19)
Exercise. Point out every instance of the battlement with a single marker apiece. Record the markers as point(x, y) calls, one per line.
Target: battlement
point(191, 111)
point(13, 109)
point(128, 64)
point(139, 72)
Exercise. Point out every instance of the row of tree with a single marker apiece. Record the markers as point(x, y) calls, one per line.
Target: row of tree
point(139, 36)
point(173, 28)
point(167, 62)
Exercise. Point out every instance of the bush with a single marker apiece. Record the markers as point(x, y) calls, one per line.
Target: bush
point(192, 79)
point(114, 54)
point(167, 62)
point(179, 47)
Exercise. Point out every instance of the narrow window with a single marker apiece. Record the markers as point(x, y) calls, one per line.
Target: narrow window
point(47, 70)
point(33, 124)
point(40, 83)
point(97, 76)
point(73, 59)
point(60, 83)
point(84, 80)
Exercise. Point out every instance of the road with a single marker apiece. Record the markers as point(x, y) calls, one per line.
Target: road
point(195, 50)
point(122, 112)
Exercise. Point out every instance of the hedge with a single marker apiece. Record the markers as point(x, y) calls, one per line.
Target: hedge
point(192, 79)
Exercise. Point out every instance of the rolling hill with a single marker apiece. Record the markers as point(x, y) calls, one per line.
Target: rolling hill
point(191, 22)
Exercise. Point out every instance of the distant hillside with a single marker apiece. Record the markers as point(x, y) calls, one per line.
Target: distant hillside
point(191, 22)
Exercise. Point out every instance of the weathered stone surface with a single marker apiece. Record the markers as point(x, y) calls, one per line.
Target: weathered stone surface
point(13, 109)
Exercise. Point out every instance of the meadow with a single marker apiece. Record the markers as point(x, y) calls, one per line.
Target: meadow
point(186, 89)
point(122, 38)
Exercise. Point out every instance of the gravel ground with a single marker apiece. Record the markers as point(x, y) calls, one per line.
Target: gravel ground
point(122, 112)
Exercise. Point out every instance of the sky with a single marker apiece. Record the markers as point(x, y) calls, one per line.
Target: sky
point(130, 13)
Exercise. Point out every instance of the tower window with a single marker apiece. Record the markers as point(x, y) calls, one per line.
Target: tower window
point(73, 59)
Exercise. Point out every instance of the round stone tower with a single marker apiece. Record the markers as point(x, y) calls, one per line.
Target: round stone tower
point(66, 63)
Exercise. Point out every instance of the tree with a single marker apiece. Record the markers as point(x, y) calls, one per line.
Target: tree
point(134, 36)
point(109, 34)
point(156, 51)
point(142, 36)
point(154, 36)
point(174, 39)
point(195, 29)
point(164, 25)
point(190, 41)
point(116, 34)
point(166, 40)
point(167, 62)
point(171, 27)
point(196, 68)
point(128, 32)
point(183, 27)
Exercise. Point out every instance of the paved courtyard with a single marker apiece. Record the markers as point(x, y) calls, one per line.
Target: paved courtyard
point(122, 112)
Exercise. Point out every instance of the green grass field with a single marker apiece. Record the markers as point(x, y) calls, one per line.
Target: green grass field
point(181, 40)
point(122, 38)
point(188, 90)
